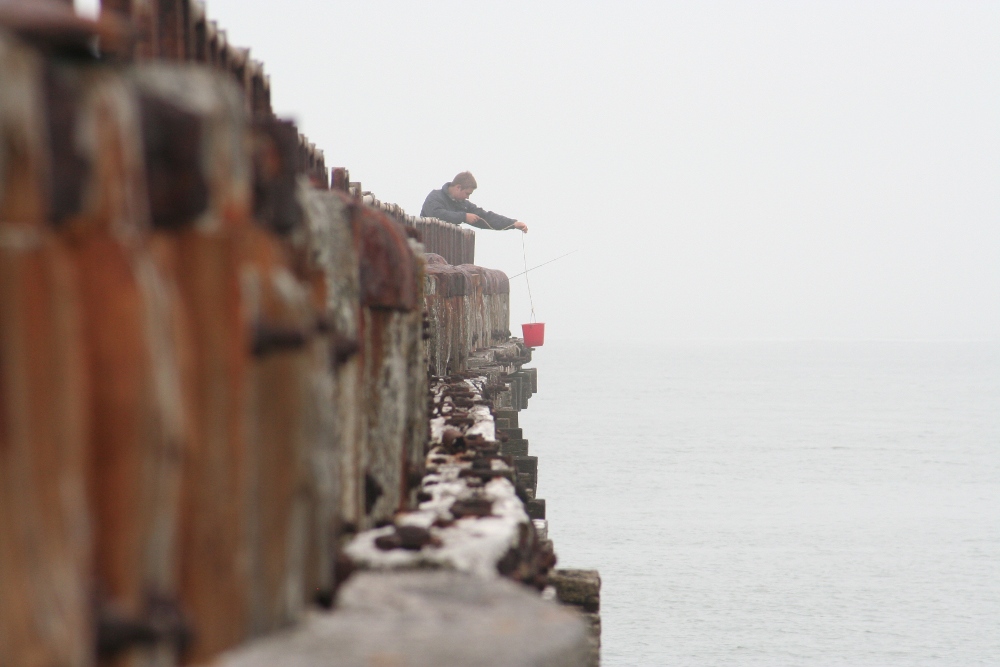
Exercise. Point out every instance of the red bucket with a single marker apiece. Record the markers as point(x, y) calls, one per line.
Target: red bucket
point(534, 334)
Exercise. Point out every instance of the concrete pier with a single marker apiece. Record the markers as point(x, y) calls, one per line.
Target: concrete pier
point(427, 619)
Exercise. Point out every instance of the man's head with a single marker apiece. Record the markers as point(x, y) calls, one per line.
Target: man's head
point(462, 186)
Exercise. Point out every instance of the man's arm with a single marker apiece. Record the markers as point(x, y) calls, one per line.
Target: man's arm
point(493, 220)
point(475, 220)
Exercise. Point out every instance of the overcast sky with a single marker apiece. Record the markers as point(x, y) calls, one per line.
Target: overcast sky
point(728, 170)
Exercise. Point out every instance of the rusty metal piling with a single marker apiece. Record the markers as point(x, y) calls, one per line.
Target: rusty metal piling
point(217, 358)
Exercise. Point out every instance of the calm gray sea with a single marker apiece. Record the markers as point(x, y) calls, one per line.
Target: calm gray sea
point(778, 503)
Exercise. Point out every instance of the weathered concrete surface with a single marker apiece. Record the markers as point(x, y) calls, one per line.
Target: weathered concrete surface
point(581, 589)
point(329, 218)
point(470, 517)
point(428, 619)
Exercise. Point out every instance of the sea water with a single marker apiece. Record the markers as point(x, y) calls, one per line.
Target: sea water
point(778, 503)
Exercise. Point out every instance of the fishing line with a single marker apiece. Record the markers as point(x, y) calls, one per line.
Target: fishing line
point(524, 256)
point(541, 265)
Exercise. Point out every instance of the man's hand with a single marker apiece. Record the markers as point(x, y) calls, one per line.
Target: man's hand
point(472, 218)
point(520, 225)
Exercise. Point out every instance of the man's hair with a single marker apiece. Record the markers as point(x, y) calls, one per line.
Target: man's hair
point(466, 180)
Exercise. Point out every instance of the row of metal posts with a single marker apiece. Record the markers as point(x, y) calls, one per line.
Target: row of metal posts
point(180, 31)
point(468, 307)
point(456, 244)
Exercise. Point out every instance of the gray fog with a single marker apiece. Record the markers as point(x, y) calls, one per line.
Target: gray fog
point(727, 170)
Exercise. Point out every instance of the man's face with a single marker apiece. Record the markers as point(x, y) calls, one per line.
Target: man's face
point(458, 192)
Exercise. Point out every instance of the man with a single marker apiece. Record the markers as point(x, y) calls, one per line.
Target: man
point(451, 204)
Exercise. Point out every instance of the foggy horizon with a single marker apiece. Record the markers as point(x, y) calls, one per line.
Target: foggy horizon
point(728, 171)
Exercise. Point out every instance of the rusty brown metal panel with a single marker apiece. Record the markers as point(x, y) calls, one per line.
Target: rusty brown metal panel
point(44, 545)
point(322, 173)
point(259, 92)
point(285, 291)
point(139, 436)
point(170, 28)
point(56, 28)
point(276, 167)
point(214, 550)
point(429, 233)
point(492, 319)
point(215, 547)
point(144, 17)
point(324, 519)
point(199, 34)
point(239, 64)
point(388, 338)
point(123, 7)
point(342, 454)
point(451, 328)
point(282, 431)
point(252, 508)
point(388, 293)
point(187, 30)
point(341, 179)
point(322, 465)
point(432, 325)
point(417, 413)
point(212, 43)
point(336, 241)
point(378, 355)
point(459, 335)
point(386, 262)
point(456, 244)
point(477, 314)
point(45, 616)
point(223, 54)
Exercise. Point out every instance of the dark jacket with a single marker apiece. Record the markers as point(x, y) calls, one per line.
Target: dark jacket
point(440, 205)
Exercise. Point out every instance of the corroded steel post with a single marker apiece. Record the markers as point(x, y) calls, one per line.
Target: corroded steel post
point(171, 26)
point(45, 557)
point(388, 293)
point(139, 437)
point(286, 440)
point(205, 248)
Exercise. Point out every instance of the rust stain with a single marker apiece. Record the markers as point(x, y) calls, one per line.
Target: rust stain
point(386, 263)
